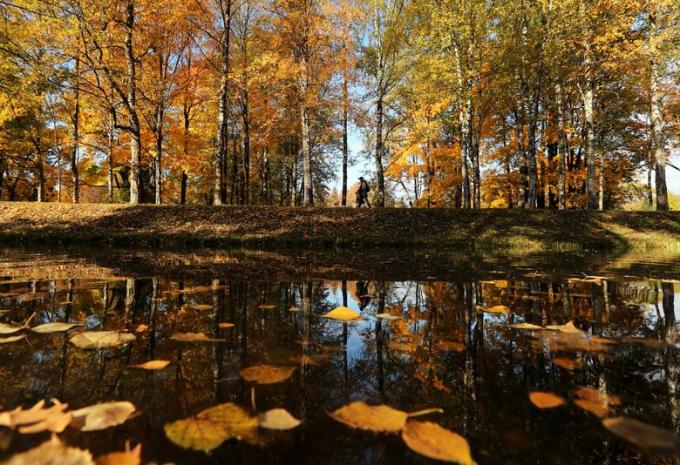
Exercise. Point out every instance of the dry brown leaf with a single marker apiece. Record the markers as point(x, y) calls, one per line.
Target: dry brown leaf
point(650, 438)
point(212, 427)
point(52, 452)
point(201, 307)
point(7, 340)
point(102, 416)
point(127, 457)
point(38, 419)
point(226, 325)
point(544, 400)
point(433, 441)
point(101, 339)
point(152, 365)
point(342, 314)
point(565, 328)
point(277, 419)
point(194, 337)
point(267, 374)
point(597, 409)
point(54, 328)
point(267, 307)
point(9, 329)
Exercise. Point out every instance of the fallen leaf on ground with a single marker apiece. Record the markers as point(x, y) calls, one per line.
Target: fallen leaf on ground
point(52, 452)
point(193, 337)
point(226, 325)
point(127, 457)
point(102, 416)
point(267, 374)
point(378, 418)
point(101, 339)
point(433, 441)
point(650, 438)
point(342, 314)
point(38, 418)
point(7, 340)
point(9, 329)
point(544, 400)
point(54, 328)
point(277, 419)
point(597, 409)
point(211, 427)
point(152, 365)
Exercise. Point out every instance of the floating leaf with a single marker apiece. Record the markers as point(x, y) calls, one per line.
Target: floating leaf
point(128, 457)
point(7, 340)
point(650, 438)
point(595, 408)
point(528, 326)
point(226, 325)
point(267, 374)
point(565, 328)
point(387, 316)
point(38, 418)
point(567, 363)
point(266, 307)
point(277, 419)
point(433, 441)
point(54, 328)
point(502, 309)
point(101, 339)
point(152, 365)
point(193, 337)
point(9, 329)
point(142, 328)
point(52, 452)
point(102, 416)
point(201, 307)
point(342, 314)
point(294, 309)
point(544, 400)
point(379, 418)
point(595, 395)
point(212, 427)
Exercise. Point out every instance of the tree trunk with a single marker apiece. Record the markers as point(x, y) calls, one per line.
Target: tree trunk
point(379, 170)
point(135, 131)
point(600, 202)
point(157, 165)
point(183, 188)
point(307, 195)
point(561, 151)
point(656, 121)
point(464, 123)
point(75, 135)
point(223, 112)
point(589, 127)
point(245, 112)
point(345, 146)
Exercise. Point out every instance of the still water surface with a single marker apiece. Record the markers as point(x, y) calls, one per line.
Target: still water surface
point(446, 350)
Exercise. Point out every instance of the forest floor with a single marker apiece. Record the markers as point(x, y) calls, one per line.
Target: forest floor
point(172, 225)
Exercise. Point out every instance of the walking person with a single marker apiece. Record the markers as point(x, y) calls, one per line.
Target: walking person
point(362, 193)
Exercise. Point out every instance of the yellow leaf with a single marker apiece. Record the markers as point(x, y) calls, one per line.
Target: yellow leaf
point(342, 314)
point(193, 337)
point(277, 419)
point(52, 452)
point(101, 339)
point(596, 409)
point(211, 427)
point(7, 340)
point(433, 441)
point(379, 418)
point(152, 365)
point(650, 438)
point(9, 329)
point(128, 457)
point(226, 325)
point(54, 328)
point(102, 416)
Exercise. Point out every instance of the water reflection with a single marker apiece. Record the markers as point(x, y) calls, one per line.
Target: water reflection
point(446, 350)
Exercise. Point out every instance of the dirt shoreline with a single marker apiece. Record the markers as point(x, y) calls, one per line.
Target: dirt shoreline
point(172, 225)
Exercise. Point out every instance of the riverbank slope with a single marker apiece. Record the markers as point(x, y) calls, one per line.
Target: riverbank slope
point(344, 227)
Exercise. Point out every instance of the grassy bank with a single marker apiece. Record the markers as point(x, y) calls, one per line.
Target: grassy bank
point(272, 226)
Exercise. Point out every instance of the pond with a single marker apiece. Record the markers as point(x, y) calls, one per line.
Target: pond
point(489, 339)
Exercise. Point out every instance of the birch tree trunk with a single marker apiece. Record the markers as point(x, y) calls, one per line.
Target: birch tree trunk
point(379, 148)
point(223, 112)
point(307, 194)
point(656, 120)
point(561, 151)
point(345, 147)
point(135, 130)
point(75, 135)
